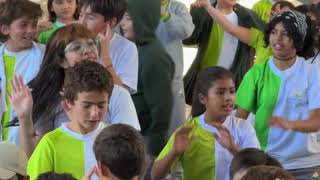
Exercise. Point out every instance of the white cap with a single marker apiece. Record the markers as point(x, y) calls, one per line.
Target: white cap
point(12, 160)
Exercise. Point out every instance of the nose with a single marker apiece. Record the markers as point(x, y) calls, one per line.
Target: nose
point(94, 113)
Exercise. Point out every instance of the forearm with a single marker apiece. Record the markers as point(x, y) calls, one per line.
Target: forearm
point(162, 167)
point(306, 126)
point(234, 150)
point(243, 34)
point(28, 137)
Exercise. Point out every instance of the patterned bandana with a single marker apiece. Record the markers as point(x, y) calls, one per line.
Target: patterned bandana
point(298, 19)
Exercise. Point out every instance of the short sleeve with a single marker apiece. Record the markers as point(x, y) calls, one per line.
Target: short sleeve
point(121, 108)
point(41, 159)
point(246, 96)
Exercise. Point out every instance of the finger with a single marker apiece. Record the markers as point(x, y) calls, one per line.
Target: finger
point(20, 82)
point(91, 172)
point(13, 85)
point(98, 172)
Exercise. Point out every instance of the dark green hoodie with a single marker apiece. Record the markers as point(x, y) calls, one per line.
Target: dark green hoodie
point(153, 101)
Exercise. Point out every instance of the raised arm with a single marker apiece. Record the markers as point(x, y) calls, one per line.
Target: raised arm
point(22, 103)
point(242, 33)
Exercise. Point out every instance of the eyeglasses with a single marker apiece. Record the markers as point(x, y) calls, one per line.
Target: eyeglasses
point(80, 46)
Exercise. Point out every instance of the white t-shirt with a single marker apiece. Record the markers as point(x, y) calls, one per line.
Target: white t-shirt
point(27, 65)
point(229, 44)
point(243, 135)
point(124, 57)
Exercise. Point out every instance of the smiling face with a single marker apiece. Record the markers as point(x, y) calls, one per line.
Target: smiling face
point(21, 33)
point(281, 44)
point(219, 101)
point(87, 111)
point(80, 50)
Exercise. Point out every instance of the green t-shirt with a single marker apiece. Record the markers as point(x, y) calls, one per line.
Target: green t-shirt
point(257, 42)
point(212, 52)
point(9, 65)
point(198, 161)
point(44, 36)
point(263, 9)
point(64, 151)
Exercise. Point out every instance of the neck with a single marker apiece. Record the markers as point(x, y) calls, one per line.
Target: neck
point(225, 9)
point(74, 127)
point(213, 120)
point(284, 63)
point(65, 21)
point(11, 46)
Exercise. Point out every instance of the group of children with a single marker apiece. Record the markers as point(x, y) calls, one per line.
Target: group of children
point(97, 92)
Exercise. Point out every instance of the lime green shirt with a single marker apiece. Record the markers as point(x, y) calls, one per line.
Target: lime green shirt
point(44, 36)
point(198, 161)
point(257, 42)
point(64, 151)
point(263, 9)
point(9, 65)
point(212, 52)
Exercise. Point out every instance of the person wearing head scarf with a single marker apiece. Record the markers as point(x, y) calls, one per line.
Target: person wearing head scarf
point(284, 95)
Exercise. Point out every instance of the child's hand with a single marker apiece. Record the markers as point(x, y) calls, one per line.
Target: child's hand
point(280, 122)
point(21, 98)
point(201, 3)
point(105, 38)
point(225, 138)
point(182, 140)
point(43, 25)
point(95, 170)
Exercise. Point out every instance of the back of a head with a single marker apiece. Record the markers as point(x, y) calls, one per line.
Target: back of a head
point(55, 176)
point(109, 9)
point(11, 10)
point(250, 157)
point(205, 81)
point(13, 161)
point(86, 76)
point(120, 148)
point(267, 173)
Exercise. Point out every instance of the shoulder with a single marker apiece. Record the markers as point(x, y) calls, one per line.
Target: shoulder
point(118, 91)
point(39, 47)
point(120, 41)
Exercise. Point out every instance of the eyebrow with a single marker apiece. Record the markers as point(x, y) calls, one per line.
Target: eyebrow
point(87, 102)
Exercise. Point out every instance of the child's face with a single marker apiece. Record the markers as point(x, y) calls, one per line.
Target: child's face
point(281, 44)
point(227, 3)
point(87, 111)
point(220, 99)
point(80, 50)
point(64, 9)
point(93, 21)
point(21, 33)
point(127, 27)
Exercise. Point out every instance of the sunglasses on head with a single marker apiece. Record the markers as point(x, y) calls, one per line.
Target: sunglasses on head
point(80, 46)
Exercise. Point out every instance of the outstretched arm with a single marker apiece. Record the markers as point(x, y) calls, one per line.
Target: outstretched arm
point(243, 34)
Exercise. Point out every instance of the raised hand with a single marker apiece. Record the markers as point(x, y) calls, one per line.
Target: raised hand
point(21, 98)
point(105, 38)
point(95, 170)
point(225, 138)
point(280, 122)
point(182, 140)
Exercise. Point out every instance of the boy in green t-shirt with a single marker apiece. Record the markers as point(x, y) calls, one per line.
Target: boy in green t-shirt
point(87, 88)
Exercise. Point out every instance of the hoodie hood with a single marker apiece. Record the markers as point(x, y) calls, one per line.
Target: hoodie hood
point(145, 15)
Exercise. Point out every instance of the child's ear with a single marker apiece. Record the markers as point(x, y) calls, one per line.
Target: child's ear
point(104, 170)
point(5, 29)
point(66, 105)
point(202, 98)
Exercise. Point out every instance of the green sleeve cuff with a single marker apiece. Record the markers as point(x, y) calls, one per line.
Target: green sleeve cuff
point(166, 17)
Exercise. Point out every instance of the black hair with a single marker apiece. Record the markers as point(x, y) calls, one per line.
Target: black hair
point(52, 14)
point(250, 157)
point(282, 5)
point(304, 47)
point(121, 149)
point(304, 9)
point(107, 8)
point(205, 80)
point(55, 176)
